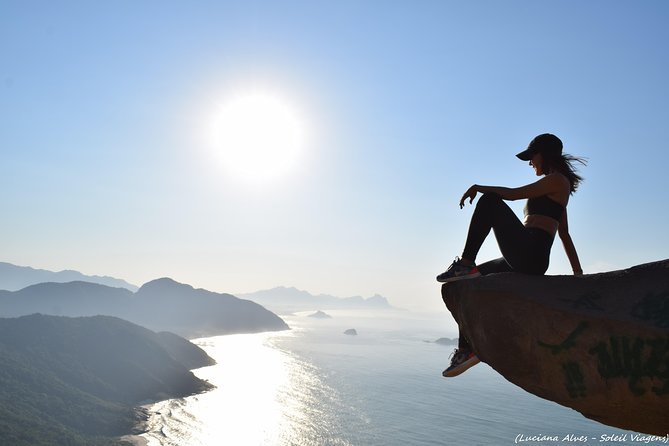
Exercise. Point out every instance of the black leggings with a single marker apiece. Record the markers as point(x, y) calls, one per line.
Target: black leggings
point(524, 250)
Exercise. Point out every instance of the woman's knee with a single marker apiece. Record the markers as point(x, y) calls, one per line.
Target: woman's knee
point(489, 198)
point(489, 201)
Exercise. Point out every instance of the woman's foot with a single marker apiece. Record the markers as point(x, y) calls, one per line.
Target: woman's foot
point(458, 271)
point(463, 359)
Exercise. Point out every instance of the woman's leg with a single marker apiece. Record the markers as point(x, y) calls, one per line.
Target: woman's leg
point(462, 342)
point(493, 213)
point(490, 267)
point(517, 246)
point(490, 212)
point(524, 250)
point(495, 266)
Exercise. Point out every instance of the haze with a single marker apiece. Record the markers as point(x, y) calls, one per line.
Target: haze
point(107, 164)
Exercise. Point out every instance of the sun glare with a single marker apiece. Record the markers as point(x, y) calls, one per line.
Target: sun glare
point(258, 137)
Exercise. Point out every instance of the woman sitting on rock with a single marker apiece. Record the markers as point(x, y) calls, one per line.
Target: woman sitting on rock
point(525, 246)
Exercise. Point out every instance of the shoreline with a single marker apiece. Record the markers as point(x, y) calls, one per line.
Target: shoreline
point(135, 440)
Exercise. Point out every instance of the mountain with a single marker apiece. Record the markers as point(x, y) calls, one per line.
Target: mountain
point(287, 300)
point(67, 299)
point(75, 381)
point(320, 315)
point(198, 312)
point(161, 305)
point(598, 343)
point(14, 278)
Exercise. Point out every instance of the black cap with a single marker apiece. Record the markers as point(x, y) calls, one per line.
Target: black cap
point(547, 144)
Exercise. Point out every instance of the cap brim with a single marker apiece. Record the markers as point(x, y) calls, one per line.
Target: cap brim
point(526, 154)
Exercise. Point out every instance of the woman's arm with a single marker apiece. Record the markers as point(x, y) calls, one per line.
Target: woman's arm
point(550, 184)
point(563, 232)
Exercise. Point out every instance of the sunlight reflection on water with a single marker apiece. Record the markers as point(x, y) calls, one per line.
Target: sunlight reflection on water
point(264, 396)
point(314, 385)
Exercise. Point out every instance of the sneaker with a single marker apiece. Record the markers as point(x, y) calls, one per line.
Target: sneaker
point(458, 271)
point(462, 360)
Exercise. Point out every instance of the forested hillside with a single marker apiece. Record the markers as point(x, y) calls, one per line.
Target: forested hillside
point(75, 381)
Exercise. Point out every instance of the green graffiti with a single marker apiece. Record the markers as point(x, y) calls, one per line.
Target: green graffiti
point(586, 301)
point(658, 364)
point(634, 359)
point(574, 379)
point(653, 308)
point(569, 341)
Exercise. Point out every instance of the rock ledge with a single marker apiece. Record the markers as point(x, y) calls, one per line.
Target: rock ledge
point(598, 343)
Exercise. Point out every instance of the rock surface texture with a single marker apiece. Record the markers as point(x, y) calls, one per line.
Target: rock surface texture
point(598, 343)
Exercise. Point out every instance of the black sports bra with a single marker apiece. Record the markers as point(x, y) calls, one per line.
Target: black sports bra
point(544, 206)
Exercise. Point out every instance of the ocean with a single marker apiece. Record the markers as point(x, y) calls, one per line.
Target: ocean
point(315, 385)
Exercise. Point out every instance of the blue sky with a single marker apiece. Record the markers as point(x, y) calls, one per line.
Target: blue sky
point(107, 169)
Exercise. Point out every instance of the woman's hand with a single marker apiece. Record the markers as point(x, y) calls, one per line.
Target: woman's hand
point(471, 194)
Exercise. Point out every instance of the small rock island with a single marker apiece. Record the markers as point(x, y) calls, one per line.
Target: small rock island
point(351, 332)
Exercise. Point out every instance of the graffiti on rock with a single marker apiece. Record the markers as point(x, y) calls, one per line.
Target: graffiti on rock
point(569, 341)
point(574, 380)
point(586, 301)
point(635, 359)
point(643, 362)
point(654, 307)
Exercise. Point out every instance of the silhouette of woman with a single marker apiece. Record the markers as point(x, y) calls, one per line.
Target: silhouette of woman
point(526, 245)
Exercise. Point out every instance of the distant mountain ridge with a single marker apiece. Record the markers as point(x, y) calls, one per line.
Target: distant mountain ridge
point(81, 295)
point(14, 278)
point(161, 305)
point(290, 299)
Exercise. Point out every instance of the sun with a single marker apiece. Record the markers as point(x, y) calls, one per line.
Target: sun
point(258, 136)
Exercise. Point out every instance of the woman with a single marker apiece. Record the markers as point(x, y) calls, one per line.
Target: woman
point(525, 246)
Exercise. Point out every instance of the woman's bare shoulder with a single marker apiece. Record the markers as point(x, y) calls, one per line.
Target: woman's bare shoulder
point(564, 186)
point(558, 178)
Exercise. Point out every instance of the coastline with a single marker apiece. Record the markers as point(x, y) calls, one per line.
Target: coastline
point(135, 440)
